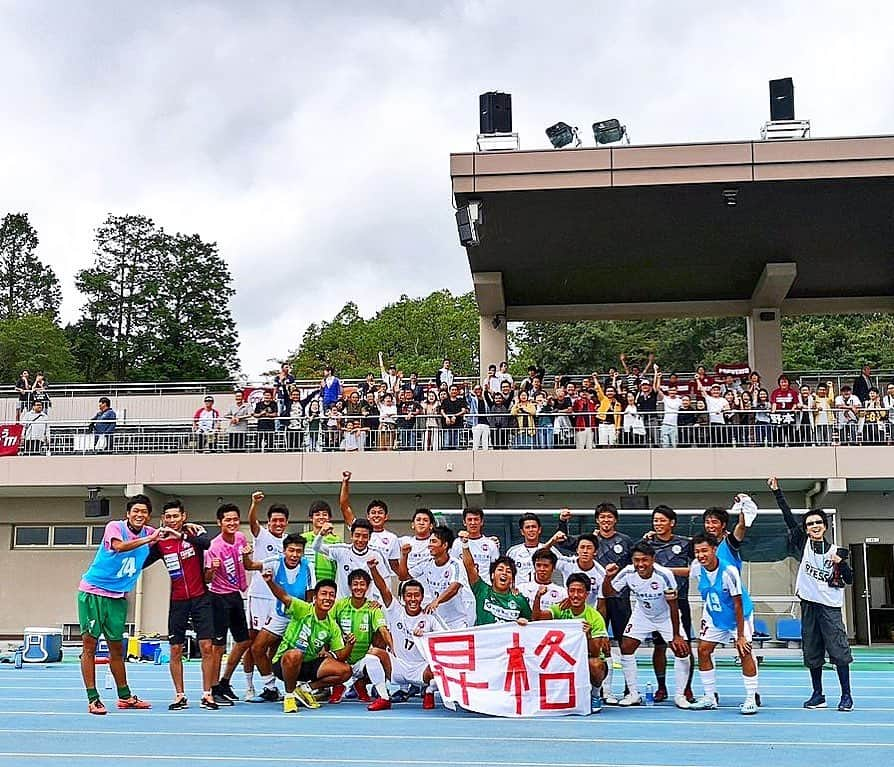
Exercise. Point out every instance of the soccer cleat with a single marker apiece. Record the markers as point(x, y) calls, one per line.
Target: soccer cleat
point(351, 694)
point(250, 694)
point(96, 707)
point(289, 705)
point(817, 700)
point(401, 696)
point(688, 694)
point(749, 707)
point(270, 695)
point(595, 704)
point(179, 704)
point(660, 695)
point(361, 693)
point(681, 701)
point(219, 698)
point(379, 704)
point(305, 697)
point(337, 694)
point(134, 702)
point(704, 703)
point(609, 698)
point(208, 704)
point(846, 703)
point(428, 700)
point(224, 689)
point(630, 699)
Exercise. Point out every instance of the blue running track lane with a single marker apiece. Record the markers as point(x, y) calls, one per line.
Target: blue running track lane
point(44, 723)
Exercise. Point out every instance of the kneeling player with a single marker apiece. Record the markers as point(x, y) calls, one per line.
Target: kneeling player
point(294, 575)
point(312, 650)
point(407, 623)
point(728, 617)
point(575, 606)
point(654, 589)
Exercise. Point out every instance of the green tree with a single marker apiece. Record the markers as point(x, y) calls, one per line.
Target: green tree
point(27, 285)
point(35, 342)
point(415, 333)
point(194, 334)
point(121, 289)
point(838, 342)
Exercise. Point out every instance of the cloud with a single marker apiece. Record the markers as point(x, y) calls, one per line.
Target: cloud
point(313, 144)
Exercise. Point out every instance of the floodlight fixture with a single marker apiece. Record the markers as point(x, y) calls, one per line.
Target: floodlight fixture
point(609, 131)
point(467, 219)
point(562, 134)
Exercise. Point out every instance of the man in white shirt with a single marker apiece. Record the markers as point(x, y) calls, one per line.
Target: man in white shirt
point(672, 404)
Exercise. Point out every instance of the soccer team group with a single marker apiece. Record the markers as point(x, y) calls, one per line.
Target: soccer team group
point(343, 617)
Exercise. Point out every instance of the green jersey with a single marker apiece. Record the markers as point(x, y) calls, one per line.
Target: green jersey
point(323, 566)
point(494, 607)
point(307, 631)
point(363, 622)
point(591, 616)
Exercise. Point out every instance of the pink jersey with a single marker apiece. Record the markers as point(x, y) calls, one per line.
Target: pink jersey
point(230, 577)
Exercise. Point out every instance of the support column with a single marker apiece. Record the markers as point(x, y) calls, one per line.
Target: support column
point(765, 345)
point(491, 318)
point(492, 340)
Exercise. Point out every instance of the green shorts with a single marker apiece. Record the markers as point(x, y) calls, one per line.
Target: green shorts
point(102, 615)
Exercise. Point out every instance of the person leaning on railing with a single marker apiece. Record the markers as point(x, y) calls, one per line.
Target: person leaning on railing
point(525, 412)
point(874, 419)
point(237, 416)
point(103, 425)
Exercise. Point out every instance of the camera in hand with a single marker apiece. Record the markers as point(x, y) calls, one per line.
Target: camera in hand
point(835, 579)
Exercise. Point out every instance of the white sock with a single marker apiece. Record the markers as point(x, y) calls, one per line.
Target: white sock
point(681, 673)
point(431, 687)
point(709, 681)
point(628, 662)
point(750, 686)
point(290, 694)
point(249, 678)
point(616, 655)
point(374, 670)
point(607, 682)
point(269, 680)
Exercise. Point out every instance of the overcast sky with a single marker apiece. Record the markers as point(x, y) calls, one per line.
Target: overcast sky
point(312, 145)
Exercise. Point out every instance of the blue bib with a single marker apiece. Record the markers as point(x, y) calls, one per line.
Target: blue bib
point(719, 603)
point(118, 571)
point(296, 590)
point(729, 556)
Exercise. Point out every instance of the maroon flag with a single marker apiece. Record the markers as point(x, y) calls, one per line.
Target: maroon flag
point(10, 438)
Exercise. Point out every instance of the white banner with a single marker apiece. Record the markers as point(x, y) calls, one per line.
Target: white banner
point(505, 669)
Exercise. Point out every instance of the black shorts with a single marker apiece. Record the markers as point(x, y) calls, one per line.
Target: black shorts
point(618, 609)
point(822, 633)
point(199, 610)
point(308, 672)
point(229, 615)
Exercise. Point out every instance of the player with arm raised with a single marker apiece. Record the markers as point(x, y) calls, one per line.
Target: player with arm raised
point(418, 552)
point(377, 514)
point(495, 602)
point(444, 581)
point(349, 556)
point(484, 550)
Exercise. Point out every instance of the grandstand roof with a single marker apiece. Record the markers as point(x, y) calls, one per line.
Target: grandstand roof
point(646, 230)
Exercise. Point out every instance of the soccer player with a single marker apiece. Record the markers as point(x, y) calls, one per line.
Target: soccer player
point(654, 589)
point(585, 562)
point(360, 622)
point(377, 514)
point(675, 553)
point(227, 561)
point(443, 579)
point(822, 575)
point(418, 553)
point(312, 651)
point(531, 529)
point(320, 514)
point(715, 520)
point(728, 617)
point(544, 566)
point(295, 576)
point(484, 550)
point(576, 607)
point(349, 556)
point(495, 602)
point(102, 602)
point(267, 545)
point(407, 623)
point(183, 553)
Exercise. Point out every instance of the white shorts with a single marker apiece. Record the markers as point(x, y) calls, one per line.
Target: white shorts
point(641, 628)
point(403, 672)
point(276, 623)
point(257, 611)
point(710, 633)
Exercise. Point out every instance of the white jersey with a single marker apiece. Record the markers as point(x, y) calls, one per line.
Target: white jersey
point(524, 565)
point(568, 565)
point(387, 542)
point(650, 594)
point(435, 579)
point(553, 596)
point(402, 627)
point(419, 553)
point(266, 547)
point(346, 558)
point(484, 550)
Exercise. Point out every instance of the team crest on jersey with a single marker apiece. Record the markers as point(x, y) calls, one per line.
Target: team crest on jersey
point(654, 586)
point(321, 634)
point(271, 547)
point(676, 548)
point(618, 548)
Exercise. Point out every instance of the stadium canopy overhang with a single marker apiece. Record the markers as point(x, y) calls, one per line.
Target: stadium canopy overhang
point(756, 229)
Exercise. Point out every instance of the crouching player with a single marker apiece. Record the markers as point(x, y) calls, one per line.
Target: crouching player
point(294, 575)
point(576, 607)
point(312, 650)
point(728, 617)
point(360, 621)
point(407, 623)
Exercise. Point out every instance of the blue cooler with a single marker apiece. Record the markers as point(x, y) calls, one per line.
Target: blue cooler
point(42, 645)
point(149, 648)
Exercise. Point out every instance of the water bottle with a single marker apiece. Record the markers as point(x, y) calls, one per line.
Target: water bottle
point(110, 681)
point(156, 657)
point(19, 657)
point(650, 695)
